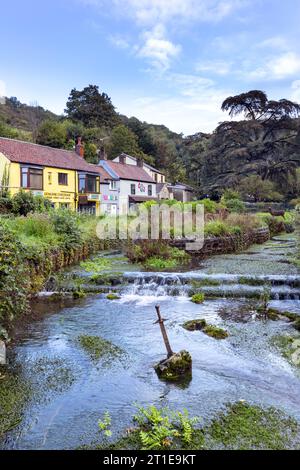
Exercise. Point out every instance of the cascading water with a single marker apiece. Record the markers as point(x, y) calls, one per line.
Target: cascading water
point(218, 285)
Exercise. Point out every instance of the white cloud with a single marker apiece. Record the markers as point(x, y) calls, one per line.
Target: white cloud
point(158, 48)
point(274, 42)
point(119, 42)
point(274, 68)
point(193, 104)
point(217, 67)
point(149, 12)
point(2, 92)
point(295, 95)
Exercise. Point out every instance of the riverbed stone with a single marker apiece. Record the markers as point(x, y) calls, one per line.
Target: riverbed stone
point(176, 367)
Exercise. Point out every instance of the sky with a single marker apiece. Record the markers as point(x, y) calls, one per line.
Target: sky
point(170, 62)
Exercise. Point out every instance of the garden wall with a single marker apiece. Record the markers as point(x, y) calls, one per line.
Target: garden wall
point(228, 244)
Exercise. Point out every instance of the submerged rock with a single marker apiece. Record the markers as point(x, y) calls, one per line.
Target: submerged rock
point(176, 367)
point(210, 330)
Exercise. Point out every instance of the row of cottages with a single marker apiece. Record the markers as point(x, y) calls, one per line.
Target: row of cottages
point(62, 176)
point(68, 181)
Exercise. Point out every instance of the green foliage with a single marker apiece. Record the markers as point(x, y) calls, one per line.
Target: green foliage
point(66, 224)
point(24, 202)
point(51, 133)
point(123, 140)
point(90, 153)
point(255, 188)
point(157, 263)
point(216, 228)
point(105, 424)
point(198, 298)
point(209, 205)
point(235, 205)
point(159, 429)
point(91, 108)
point(96, 265)
point(13, 277)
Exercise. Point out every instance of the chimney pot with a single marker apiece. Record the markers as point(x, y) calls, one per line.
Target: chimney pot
point(79, 148)
point(122, 159)
point(140, 162)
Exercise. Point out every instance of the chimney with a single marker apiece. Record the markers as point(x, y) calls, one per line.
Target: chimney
point(102, 154)
point(79, 149)
point(122, 159)
point(140, 162)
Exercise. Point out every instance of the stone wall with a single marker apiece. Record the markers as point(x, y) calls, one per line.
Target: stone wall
point(228, 244)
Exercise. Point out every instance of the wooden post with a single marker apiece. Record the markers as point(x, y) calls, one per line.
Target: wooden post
point(163, 331)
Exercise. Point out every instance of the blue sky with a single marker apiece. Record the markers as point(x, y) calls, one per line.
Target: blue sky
point(168, 62)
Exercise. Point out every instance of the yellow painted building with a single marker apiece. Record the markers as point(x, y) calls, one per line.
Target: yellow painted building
point(61, 176)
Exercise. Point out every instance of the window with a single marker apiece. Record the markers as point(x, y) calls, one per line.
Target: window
point(49, 178)
point(149, 189)
point(88, 184)
point(63, 179)
point(132, 189)
point(113, 185)
point(31, 178)
point(156, 179)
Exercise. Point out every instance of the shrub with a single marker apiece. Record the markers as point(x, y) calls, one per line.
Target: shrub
point(216, 228)
point(66, 224)
point(235, 205)
point(155, 262)
point(25, 202)
point(209, 205)
point(5, 205)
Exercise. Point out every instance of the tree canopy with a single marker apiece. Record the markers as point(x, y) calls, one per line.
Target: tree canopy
point(91, 108)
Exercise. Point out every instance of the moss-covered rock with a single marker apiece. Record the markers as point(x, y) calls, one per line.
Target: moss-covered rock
point(246, 427)
point(198, 298)
point(194, 325)
point(210, 330)
point(289, 347)
point(113, 296)
point(177, 367)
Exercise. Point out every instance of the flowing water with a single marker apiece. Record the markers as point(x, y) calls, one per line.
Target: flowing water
point(71, 391)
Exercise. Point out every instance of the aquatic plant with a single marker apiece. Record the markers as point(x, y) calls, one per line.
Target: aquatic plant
point(105, 424)
point(98, 347)
point(198, 298)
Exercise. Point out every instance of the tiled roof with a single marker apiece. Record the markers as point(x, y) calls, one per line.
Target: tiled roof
point(130, 172)
point(33, 154)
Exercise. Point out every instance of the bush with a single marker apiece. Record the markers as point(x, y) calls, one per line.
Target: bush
point(5, 205)
point(66, 224)
point(209, 205)
point(25, 202)
point(216, 228)
point(235, 205)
